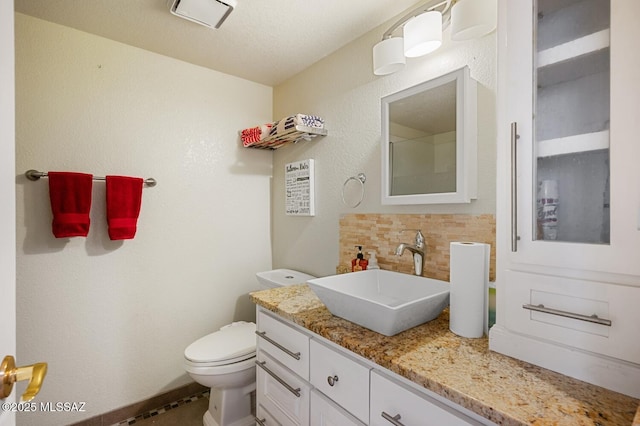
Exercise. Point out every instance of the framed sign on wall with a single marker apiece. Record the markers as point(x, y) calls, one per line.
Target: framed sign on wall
point(300, 188)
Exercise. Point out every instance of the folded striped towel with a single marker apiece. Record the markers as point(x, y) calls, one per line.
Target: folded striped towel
point(287, 124)
point(254, 134)
point(310, 120)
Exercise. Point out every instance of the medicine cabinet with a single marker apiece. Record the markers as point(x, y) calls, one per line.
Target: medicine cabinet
point(429, 142)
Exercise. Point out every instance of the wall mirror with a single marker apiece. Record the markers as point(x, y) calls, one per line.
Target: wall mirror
point(429, 142)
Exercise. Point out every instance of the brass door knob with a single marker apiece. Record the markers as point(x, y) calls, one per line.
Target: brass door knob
point(10, 374)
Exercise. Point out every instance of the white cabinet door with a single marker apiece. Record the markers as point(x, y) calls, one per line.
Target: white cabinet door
point(568, 199)
point(283, 342)
point(264, 418)
point(282, 393)
point(325, 412)
point(607, 314)
point(391, 401)
point(341, 378)
point(568, 84)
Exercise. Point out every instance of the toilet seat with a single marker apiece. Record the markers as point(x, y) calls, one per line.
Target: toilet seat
point(231, 344)
point(206, 369)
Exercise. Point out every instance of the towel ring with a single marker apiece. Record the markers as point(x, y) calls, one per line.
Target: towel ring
point(361, 179)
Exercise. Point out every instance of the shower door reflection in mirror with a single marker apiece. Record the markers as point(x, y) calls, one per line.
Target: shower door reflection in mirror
point(429, 142)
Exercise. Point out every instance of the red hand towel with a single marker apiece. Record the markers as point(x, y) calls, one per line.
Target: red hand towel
point(70, 195)
point(124, 196)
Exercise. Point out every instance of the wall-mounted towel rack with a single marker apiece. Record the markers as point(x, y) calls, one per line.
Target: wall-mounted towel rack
point(293, 135)
point(288, 130)
point(36, 175)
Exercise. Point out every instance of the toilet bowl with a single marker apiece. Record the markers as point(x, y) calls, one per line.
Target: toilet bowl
point(225, 361)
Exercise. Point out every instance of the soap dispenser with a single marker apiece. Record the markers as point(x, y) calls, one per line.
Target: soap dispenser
point(373, 261)
point(359, 263)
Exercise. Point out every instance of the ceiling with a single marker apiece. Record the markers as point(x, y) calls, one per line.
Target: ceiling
point(266, 41)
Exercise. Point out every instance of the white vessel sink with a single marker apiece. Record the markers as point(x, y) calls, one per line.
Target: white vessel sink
point(383, 301)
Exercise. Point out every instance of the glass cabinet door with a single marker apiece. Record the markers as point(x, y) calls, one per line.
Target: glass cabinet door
point(571, 110)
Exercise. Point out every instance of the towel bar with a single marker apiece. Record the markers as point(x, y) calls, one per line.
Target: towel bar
point(36, 175)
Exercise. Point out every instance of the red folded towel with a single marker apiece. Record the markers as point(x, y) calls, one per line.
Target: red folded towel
point(70, 195)
point(124, 196)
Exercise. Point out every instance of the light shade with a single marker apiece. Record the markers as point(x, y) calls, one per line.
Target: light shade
point(388, 56)
point(473, 18)
point(423, 34)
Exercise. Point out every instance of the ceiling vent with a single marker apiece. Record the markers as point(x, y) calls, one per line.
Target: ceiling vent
point(210, 13)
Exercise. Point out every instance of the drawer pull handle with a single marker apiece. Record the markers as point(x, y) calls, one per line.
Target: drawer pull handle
point(332, 380)
point(261, 422)
point(395, 420)
point(593, 318)
point(263, 334)
point(290, 388)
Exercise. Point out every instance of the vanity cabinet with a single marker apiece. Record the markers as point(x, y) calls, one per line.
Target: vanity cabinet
point(325, 412)
point(568, 211)
point(289, 346)
point(393, 401)
point(282, 393)
point(343, 388)
point(264, 418)
point(341, 378)
point(282, 387)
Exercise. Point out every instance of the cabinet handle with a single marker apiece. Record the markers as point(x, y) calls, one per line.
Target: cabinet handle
point(263, 334)
point(332, 380)
point(395, 420)
point(593, 318)
point(261, 422)
point(290, 388)
point(514, 186)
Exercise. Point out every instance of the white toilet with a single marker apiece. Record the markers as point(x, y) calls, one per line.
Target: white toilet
point(225, 361)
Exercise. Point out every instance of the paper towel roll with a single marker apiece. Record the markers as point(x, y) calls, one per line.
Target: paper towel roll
point(469, 279)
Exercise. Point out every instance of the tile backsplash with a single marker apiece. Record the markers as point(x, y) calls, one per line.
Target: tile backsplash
point(383, 232)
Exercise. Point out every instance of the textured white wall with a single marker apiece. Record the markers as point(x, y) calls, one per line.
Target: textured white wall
point(343, 89)
point(7, 192)
point(112, 319)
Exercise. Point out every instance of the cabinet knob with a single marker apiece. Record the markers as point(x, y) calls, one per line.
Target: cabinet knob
point(332, 380)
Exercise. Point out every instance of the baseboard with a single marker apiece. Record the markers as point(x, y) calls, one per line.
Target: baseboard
point(615, 375)
point(141, 407)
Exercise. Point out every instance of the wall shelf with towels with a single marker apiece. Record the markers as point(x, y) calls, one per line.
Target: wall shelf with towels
point(292, 135)
point(288, 130)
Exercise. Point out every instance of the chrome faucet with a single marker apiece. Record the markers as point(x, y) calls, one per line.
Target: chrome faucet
point(417, 249)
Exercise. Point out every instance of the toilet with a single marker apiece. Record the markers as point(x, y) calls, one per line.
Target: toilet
point(225, 361)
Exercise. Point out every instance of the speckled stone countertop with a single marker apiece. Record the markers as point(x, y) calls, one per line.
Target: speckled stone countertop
point(499, 388)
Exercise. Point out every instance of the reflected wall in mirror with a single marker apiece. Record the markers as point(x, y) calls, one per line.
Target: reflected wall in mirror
point(429, 147)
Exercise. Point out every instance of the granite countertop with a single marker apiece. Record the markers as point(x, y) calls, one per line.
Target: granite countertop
point(499, 388)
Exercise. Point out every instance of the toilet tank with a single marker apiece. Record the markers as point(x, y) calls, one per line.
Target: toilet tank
point(281, 278)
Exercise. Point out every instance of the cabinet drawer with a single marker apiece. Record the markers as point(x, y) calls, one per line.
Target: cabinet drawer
point(392, 400)
point(341, 378)
point(264, 418)
point(281, 393)
point(325, 412)
point(612, 302)
point(283, 342)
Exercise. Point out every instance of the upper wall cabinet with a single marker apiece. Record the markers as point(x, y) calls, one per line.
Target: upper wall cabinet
point(570, 92)
point(429, 142)
point(568, 202)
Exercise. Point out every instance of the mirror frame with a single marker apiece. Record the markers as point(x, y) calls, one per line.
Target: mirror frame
point(466, 141)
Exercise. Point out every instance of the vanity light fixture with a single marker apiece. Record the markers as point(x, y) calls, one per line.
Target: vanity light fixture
point(423, 26)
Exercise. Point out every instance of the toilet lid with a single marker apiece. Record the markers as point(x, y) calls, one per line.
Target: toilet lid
point(231, 341)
